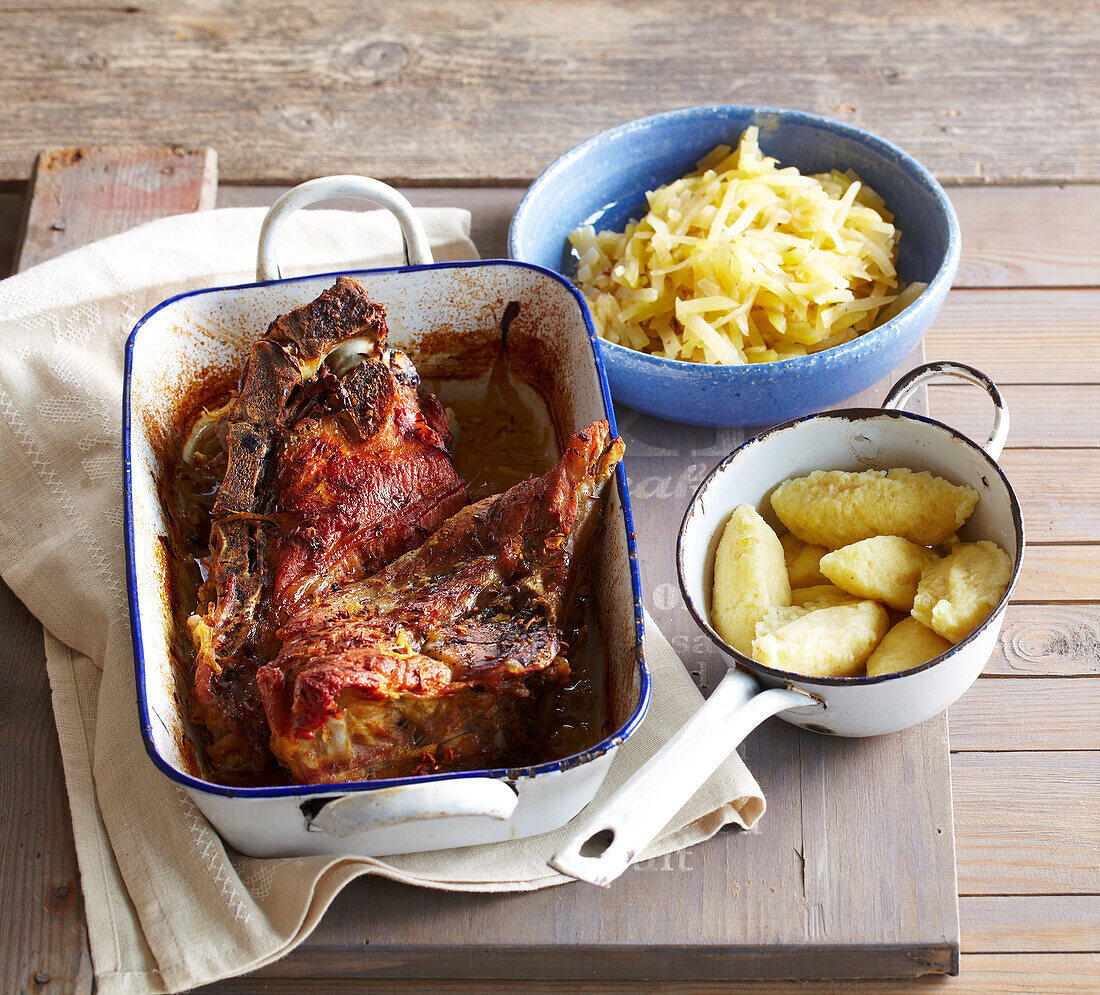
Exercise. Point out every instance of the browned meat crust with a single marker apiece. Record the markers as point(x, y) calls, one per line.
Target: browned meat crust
point(331, 473)
point(438, 658)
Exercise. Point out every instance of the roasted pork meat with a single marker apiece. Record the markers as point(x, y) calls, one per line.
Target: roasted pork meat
point(335, 466)
point(438, 661)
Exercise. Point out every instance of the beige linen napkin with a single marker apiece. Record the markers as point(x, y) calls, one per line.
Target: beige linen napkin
point(168, 906)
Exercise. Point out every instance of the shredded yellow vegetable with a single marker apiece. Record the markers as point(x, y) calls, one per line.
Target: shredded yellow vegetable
point(745, 262)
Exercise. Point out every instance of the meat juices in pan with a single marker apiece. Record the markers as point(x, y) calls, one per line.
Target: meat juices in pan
point(455, 655)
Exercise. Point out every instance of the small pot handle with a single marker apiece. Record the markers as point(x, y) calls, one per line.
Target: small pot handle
point(417, 249)
point(907, 385)
point(608, 842)
point(484, 797)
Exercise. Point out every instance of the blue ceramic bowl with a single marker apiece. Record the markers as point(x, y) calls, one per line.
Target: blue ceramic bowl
point(604, 181)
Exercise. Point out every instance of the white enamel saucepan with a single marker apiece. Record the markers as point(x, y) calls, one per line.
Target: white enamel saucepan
point(852, 439)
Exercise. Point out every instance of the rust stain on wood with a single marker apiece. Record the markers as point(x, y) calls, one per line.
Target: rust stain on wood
point(59, 899)
point(59, 159)
point(203, 28)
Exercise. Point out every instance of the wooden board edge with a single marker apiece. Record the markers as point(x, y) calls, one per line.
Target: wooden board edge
point(595, 962)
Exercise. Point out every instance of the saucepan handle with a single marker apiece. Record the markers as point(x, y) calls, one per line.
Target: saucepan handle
point(483, 797)
point(611, 840)
point(417, 249)
point(908, 384)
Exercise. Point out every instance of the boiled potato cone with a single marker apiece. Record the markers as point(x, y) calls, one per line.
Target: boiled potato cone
point(821, 596)
point(825, 642)
point(803, 561)
point(882, 568)
point(835, 508)
point(956, 594)
point(908, 644)
point(750, 576)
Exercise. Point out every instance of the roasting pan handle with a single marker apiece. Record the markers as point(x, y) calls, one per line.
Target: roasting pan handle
point(417, 249)
point(458, 797)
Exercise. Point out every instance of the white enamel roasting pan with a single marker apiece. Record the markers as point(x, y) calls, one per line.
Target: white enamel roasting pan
point(209, 332)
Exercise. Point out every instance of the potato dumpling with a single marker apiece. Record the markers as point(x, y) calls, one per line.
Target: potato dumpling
point(802, 560)
point(820, 596)
point(835, 508)
point(882, 568)
point(828, 642)
point(777, 617)
point(908, 644)
point(956, 594)
point(750, 576)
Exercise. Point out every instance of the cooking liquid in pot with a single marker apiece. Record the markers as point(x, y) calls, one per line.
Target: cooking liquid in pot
point(500, 440)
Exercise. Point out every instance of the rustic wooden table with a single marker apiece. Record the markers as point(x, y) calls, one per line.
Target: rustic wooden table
point(463, 103)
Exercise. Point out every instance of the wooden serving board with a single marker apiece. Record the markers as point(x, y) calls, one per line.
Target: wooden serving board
point(850, 874)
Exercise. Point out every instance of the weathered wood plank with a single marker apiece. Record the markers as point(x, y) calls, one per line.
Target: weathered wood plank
point(1058, 491)
point(812, 879)
point(1048, 641)
point(982, 974)
point(1035, 656)
point(1061, 415)
point(1021, 336)
point(1029, 924)
point(492, 209)
point(1026, 823)
point(919, 934)
point(42, 934)
point(78, 195)
point(291, 90)
point(42, 931)
point(1028, 236)
point(1059, 573)
point(1033, 714)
